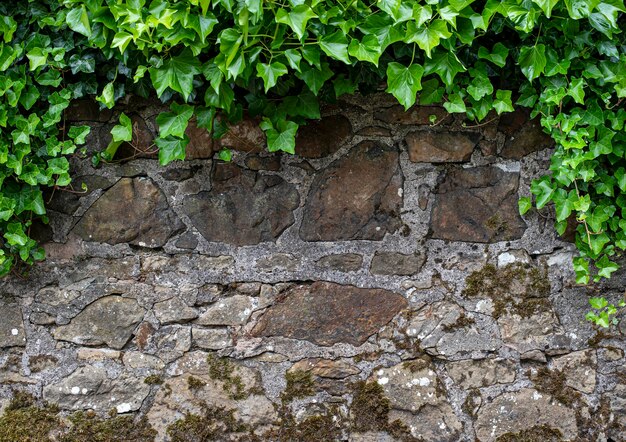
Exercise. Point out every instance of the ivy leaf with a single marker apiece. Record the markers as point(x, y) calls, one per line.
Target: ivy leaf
point(427, 38)
point(497, 56)
point(124, 130)
point(176, 73)
point(502, 103)
point(37, 57)
point(225, 155)
point(383, 28)
point(303, 105)
point(335, 46)
point(445, 64)
point(576, 90)
point(546, 6)
point(532, 61)
point(205, 117)
point(79, 133)
point(293, 58)
point(78, 21)
point(543, 190)
point(296, 19)
point(367, 49)
point(270, 73)
point(174, 123)
point(315, 78)
point(108, 96)
point(404, 82)
point(281, 137)
point(432, 92)
point(455, 104)
point(171, 149)
point(605, 268)
point(479, 87)
point(524, 205)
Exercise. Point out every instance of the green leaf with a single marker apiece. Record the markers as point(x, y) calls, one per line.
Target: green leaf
point(455, 104)
point(303, 105)
point(532, 60)
point(124, 130)
point(427, 38)
point(281, 137)
point(37, 57)
point(543, 190)
point(79, 133)
point(78, 21)
point(479, 87)
point(205, 117)
point(503, 103)
point(432, 92)
point(270, 73)
point(546, 6)
point(176, 73)
point(335, 46)
point(108, 96)
point(315, 78)
point(445, 64)
point(497, 56)
point(174, 123)
point(171, 149)
point(605, 268)
point(576, 90)
point(296, 19)
point(225, 155)
point(404, 82)
point(367, 49)
point(524, 205)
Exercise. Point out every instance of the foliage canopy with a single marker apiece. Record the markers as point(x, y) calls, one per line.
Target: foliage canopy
point(564, 59)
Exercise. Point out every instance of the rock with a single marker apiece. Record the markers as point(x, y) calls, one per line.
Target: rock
point(170, 342)
point(513, 256)
point(374, 131)
point(257, 162)
point(68, 202)
point(86, 109)
point(137, 359)
point(523, 136)
point(371, 436)
point(618, 408)
point(277, 261)
point(187, 241)
point(143, 334)
point(174, 310)
point(444, 329)
point(97, 354)
point(12, 332)
point(391, 263)
point(179, 175)
point(243, 208)
point(522, 410)
point(431, 423)
point(110, 320)
point(326, 368)
point(233, 310)
point(89, 388)
point(579, 369)
point(56, 296)
point(443, 147)
point(417, 115)
point(481, 373)
point(358, 196)
point(477, 205)
point(612, 354)
point(411, 385)
point(320, 138)
point(201, 144)
point(534, 355)
point(245, 136)
point(326, 313)
point(343, 262)
point(210, 338)
point(133, 211)
point(40, 363)
point(535, 332)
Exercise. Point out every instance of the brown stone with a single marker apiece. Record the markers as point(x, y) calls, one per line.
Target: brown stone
point(245, 136)
point(417, 115)
point(320, 138)
point(343, 262)
point(143, 334)
point(391, 263)
point(68, 202)
point(440, 147)
point(374, 131)
point(86, 109)
point(477, 205)
point(135, 211)
point(523, 135)
point(200, 142)
point(326, 313)
point(243, 208)
point(257, 162)
point(358, 196)
point(325, 368)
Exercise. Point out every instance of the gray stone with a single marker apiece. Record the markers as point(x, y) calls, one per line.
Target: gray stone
point(97, 354)
point(481, 373)
point(477, 205)
point(243, 208)
point(371, 436)
point(326, 313)
point(187, 241)
point(410, 385)
point(233, 310)
point(431, 423)
point(211, 338)
point(535, 332)
point(89, 388)
point(513, 412)
point(579, 369)
point(174, 310)
point(56, 296)
point(277, 261)
point(391, 263)
point(169, 342)
point(110, 320)
point(359, 196)
point(12, 332)
point(326, 368)
point(444, 147)
point(133, 211)
point(343, 262)
point(137, 359)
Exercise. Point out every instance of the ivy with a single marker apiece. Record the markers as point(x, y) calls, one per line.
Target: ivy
point(214, 60)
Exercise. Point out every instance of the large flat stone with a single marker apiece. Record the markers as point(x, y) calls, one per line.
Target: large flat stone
point(12, 325)
point(326, 313)
point(133, 211)
point(110, 320)
point(243, 208)
point(417, 115)
point(477, 205)
point(320, 138)
point(523, 135)
point(440, 147)
point(358, 196)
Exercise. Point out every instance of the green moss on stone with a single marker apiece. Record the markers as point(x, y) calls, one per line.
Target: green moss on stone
point(89, 427)
point(153, 379)
point(26, 421)
point(215, 424)
point(538, 433)
point(299, 384)
point(223, 370)
point(194, 383)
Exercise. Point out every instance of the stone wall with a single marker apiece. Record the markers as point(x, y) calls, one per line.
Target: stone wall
point(378, 286)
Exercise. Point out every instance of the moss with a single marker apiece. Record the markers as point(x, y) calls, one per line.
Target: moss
point(552, 382)
point(215, 424)
point(221, 369)
point(600, 336)
point(462, 321)
point(194, 383)
point(497, 224)
point(325, 427)
point(418, 364)
point(153, 379)
point(472, 402)
point(299, 384)
point(88, 427)
point(25, 421)
point(537, 433)
point(501, 285)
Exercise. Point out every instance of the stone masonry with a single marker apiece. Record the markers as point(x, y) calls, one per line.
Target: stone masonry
point(379, 285)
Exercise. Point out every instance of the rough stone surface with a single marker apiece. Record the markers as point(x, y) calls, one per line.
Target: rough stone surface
point(356, 197)
point(12, 329)
point(579, 368)
point(320, 138)
point(210, 339)
point(174, 310)
point(110, 320)
point(523, 136)
point(482, 373)
point(326, 313)
point(345, 262)
point(326, 368)
point(417, 115)
point(134, 211)
point(477, 205)
point(234, 310)
point(243, 208)
point(391, 263)
point(522, 410)
point(446, 147)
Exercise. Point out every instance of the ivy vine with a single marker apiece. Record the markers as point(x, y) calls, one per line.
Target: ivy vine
point(563, 59)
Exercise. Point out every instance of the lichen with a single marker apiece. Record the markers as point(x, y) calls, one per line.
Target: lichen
point(519, 289)
point(299, 384)
point(472, 402)
point(553, 383)
point(537, 433)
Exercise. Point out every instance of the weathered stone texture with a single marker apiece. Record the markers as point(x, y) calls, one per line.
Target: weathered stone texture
point(357, 197)
point(345, 262)
point(320, 138)
point(445, 147)
point(133, 211)
point(12, 326)
point(391, 263)
point(523, 136)
point(477, 205)
point(243, 207)
point(326, 313)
